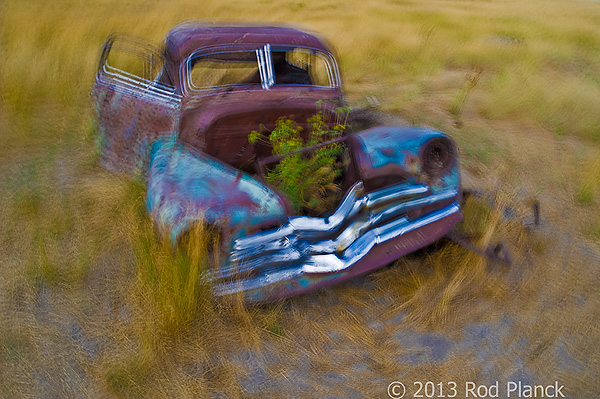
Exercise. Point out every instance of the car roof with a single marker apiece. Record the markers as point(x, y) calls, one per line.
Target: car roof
point(184, 39)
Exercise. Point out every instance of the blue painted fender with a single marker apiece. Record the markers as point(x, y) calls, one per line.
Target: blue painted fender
point(186, 185)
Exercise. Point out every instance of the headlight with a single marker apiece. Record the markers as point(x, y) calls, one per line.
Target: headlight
point(438, 156)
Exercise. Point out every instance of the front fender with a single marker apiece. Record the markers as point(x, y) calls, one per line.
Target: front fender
point(186, 185)
point(386, 154)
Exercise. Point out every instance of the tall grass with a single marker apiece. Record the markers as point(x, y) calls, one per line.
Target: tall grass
point(454, 276)
point(93, 302)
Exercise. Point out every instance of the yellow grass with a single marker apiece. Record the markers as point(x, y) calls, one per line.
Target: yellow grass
point(93, 303)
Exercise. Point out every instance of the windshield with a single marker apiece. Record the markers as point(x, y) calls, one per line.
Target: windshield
point(266, 67)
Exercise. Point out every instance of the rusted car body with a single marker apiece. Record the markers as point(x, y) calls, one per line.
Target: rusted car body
point(181, 121)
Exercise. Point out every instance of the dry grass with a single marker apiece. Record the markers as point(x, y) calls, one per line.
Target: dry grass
point(93, 304)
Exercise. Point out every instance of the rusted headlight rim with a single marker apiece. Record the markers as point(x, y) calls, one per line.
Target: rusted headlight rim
point(438, 156)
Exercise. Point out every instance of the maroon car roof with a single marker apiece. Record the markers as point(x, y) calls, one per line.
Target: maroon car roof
point(184, 39)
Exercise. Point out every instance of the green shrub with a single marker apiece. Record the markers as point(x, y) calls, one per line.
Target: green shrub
point(309, 179)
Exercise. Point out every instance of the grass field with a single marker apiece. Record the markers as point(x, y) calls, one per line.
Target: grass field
point(93, 305)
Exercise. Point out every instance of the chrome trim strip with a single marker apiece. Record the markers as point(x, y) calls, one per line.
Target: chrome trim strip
point(393, 193)
point(269, 66)
point(137, 86)
point(261, 68)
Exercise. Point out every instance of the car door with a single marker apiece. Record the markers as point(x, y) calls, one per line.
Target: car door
point(135, 102)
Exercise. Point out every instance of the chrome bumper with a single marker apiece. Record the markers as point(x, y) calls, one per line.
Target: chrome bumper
point(309, 252)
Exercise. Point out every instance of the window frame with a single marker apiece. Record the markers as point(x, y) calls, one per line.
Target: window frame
point(264, 65)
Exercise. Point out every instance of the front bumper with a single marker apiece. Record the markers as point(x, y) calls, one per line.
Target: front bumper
point(367, 231)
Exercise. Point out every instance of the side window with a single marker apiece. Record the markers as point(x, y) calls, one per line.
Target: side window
point(302, 66)
point(133, 59)
point(223, 69)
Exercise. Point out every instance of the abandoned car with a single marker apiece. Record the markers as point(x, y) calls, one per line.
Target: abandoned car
point(180, 118)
